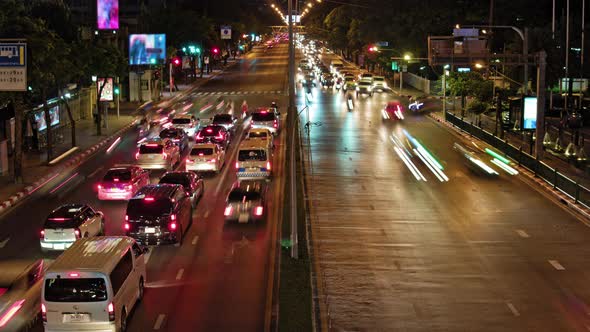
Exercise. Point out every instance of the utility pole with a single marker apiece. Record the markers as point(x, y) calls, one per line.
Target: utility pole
point(292, 117)
point(525, 55)
point(540, 129)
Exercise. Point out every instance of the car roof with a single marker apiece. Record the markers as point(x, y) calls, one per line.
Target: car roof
point(203, 145)
point(183, 116)
point(266, 130)
point(253, 144)
point(155, 140)
point(68, 210)
point(98, 253)
point(156, 191)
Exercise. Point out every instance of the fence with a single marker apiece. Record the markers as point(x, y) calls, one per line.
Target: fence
point(577, 192)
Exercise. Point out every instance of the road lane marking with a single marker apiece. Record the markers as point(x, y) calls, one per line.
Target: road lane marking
point(3, 243)
point(63, 183)
point(522, 233)
point(91, 175)
point(195, 240)
point(206, 214)
point(179, 274)
point(159, 321)
point(556, 265)
point(513, 309)
point(146, 257)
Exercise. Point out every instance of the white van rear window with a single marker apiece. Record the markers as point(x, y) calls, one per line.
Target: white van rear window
point(247, 155)
point(75, 290)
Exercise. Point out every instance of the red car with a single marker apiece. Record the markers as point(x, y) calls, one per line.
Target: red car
point(121, 183)
point(393, 110)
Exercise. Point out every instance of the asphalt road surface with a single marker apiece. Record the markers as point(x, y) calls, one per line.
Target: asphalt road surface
point(218, 279)
point(396, 253)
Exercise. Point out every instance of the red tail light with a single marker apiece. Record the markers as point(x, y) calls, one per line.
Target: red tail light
point(199, 136)
point(126, 217)
point(44, 312)
point(268, 165)
point(128, 187)
point(111, 310)
point(227, 211)
point(172, 226)
point(220, 136)
point(172, 217)
point(189, 161)
point(275, 124)
point(136, 155)
point(258, 210)
point(237, 165)
point(99, 187)
point(42, 234)
point(77, 232)
point(126, 226)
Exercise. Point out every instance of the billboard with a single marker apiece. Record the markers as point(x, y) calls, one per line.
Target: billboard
point(53, 115)
point(13, 67)
point(530, 113)
point(147, 49)
point(107, 90)
point(107, 14)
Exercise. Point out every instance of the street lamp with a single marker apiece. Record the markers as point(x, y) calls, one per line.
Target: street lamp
point(478, 65)
point(407, 57)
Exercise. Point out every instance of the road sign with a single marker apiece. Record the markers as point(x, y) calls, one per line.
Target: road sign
point(226, 32)
point(404, 68)
point(13, 67)
point(394, 65)
point(382, 43)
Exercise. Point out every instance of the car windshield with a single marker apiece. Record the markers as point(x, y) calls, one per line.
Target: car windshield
point(222, 118)
point(364, 83)
point(170, 133)
point(117, 175)
point(75, 290)
point(210, 131)
point(378, 79)
point(61, 223)
point(63, 217)
point(201, 151)
point(238, 195)
point(181, 121)
point(139, 207)
point(258, 134)
point(150, 148)
point(263, 116)
point(254, 154)
point(181, 179)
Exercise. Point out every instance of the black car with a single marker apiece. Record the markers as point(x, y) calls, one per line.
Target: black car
point(246, 202)
point(191, 182)
point(176, 135)
point(228, 121)
point(158, 213)
point(213, 134)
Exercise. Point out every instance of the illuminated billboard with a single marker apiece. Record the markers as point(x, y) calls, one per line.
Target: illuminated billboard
point(53, 117)
point(147, 49)
point(530, 113)
point(107, 14)
point(107, 90)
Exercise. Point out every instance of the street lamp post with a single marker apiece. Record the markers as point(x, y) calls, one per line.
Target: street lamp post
point(292, 114)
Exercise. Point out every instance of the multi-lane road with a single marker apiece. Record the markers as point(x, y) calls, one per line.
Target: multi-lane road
point(399, 254)
point(220, 278)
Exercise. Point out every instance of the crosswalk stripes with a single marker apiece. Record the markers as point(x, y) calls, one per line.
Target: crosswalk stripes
point(217, 93)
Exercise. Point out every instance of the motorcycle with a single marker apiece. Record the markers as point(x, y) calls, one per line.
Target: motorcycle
point(350, 102)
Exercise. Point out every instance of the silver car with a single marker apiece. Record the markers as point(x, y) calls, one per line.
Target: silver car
point(246, 202)
point(205, 157)
point(68, 223)
point(158, 153)
point(379, 83)
point(364, 87)
point(265, 117)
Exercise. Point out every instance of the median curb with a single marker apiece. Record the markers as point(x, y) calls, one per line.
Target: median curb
point(547, 188)
point(72, 162)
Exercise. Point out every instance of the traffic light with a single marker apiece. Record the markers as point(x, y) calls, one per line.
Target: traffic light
point(176, 61)
point(215, 50)
point(116, 90)
point(373, 48)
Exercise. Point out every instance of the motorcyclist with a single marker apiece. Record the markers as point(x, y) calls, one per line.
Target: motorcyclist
point(244, 109)
point(274, 105)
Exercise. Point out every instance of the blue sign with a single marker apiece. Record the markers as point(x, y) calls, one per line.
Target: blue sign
point(13, 66)
point(13, 55)
point(382, 43)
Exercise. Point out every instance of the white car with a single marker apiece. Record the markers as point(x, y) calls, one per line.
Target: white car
point(68, 223)
point(158, 153)
point(261, 134)
point(379, 83)
point(186, 122)
point(205, 157)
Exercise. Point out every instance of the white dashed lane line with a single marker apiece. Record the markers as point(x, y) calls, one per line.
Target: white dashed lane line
point(513, 309)
point(159, 321)
point(556, 265)
point(195, 240)
point(179, 274)
point(522, 233)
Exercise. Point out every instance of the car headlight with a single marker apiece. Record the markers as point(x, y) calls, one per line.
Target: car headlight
point(357, 89)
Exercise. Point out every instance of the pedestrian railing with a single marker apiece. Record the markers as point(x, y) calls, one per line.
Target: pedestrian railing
point(570, 187)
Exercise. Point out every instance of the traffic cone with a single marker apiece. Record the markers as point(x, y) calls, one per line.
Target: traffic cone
point(547, 139)
point(571, 150)
point(557, 146)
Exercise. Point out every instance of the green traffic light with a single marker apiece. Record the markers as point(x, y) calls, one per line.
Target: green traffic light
point(117, 91)
point(153, 60)
point(184, 49)
point(198, 50)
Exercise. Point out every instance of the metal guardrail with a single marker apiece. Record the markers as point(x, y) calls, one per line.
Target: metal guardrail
point(577, 192)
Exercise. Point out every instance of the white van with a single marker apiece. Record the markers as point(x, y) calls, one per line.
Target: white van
point(93, 285)
point(253, 160)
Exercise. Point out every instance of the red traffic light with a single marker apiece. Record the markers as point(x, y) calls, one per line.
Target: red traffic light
point(215, 50)
point(176, 61)
point(373, 49)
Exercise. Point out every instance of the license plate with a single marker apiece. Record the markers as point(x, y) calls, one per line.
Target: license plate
point(76, 318)
point(150, 230)
point(243, 218)
point(59, 246)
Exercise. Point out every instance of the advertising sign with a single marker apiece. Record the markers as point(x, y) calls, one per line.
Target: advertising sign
point(226, 32)
point(147, 49)
point(107, 91)
point(13, 67)
point(107, 14)
point(53, 115)
point(530, 113)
